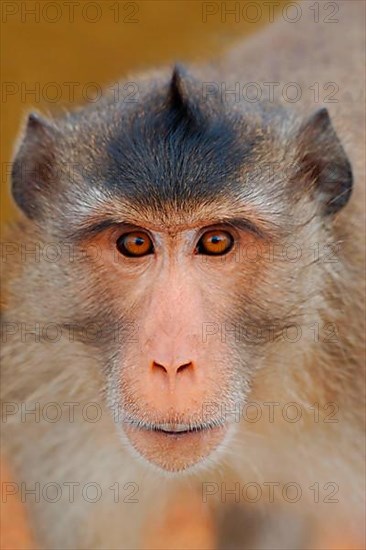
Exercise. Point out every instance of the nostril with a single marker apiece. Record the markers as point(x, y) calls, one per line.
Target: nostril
point(171, 370)
point(184, 367)
point(159, 366)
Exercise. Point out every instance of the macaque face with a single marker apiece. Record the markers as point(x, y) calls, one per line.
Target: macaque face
point(176, 378)
point(188, 206)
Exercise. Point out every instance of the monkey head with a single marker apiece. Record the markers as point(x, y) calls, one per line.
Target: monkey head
point(191, 212)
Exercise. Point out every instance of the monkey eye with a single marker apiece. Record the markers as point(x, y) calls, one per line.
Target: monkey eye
point(215, 242)
point(135, 244)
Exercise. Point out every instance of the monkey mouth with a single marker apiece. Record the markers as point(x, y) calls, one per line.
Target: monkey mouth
point(177, 428)
point(173, 446)
point(173, 428)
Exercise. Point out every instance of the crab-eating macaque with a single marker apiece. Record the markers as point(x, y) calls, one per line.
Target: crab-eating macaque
point(183, 303)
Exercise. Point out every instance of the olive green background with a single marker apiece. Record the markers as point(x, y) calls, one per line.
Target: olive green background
point(53, 57)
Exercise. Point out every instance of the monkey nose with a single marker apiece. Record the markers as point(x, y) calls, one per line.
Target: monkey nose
point(172, 370)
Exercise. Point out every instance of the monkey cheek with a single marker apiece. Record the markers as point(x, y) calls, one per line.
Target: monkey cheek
point(175, 452)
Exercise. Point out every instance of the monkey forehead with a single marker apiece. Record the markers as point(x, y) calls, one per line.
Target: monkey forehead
point(157, 157)
point(165, 159)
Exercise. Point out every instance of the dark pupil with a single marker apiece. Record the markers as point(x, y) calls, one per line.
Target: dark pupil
point(139, 241)
point(215, 239)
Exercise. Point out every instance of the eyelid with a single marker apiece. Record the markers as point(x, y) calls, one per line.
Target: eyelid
point(124, 229)
point(224, 226)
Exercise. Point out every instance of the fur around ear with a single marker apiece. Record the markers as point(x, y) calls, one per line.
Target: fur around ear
point(322, 158)
point(33, 164)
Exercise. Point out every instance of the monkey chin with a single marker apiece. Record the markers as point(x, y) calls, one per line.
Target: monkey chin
point(175, 451)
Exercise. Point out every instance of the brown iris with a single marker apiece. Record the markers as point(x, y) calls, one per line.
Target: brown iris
point(215, 242)
point(135, 244)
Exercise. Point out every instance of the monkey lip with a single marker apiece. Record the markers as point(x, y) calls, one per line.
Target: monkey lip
point(177, 428)
point(173, 446)
point(174, 428)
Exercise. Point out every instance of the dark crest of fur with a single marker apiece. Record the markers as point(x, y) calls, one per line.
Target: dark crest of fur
point(183, 97)
point(178, 150)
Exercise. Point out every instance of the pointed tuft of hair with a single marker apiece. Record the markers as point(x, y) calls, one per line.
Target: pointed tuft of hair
point(184, 95)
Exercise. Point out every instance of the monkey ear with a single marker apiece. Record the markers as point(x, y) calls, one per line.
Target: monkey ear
point(32, 170)
point(323, 160)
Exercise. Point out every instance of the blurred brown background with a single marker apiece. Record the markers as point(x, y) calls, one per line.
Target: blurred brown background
point(58, 54)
